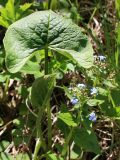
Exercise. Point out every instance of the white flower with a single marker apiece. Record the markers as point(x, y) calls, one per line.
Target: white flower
point(93, 91)
point(81, 85)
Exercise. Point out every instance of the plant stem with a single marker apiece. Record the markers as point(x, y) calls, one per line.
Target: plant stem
point(40, 141)
point(37, 148)
point(65, 147)
point(49, 127)
point(48, 106)
point(49, 4)
point(46, 60)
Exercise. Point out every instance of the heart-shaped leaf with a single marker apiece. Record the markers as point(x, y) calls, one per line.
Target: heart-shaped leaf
point(46, 29)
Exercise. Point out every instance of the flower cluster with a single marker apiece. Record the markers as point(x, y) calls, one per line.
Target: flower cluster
point(92, 117)
point(81, 85)
point(74, 100)
point(101, 58)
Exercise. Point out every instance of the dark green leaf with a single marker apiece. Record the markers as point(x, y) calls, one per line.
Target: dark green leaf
point(42, 89)
point(46, 28)
point(86, 140)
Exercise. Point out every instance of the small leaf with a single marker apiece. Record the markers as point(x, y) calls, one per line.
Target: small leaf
point(41, 90)
point(67, 92)
point(68, 119)
point(25, 6)
point(102, 91)
point(109, 84)
point(94, 102)
point(21, 156)
point(86, 140)
point(52, 156)
point(3, 145)
point(71, 67)
point(16, 122)
point(3, 22)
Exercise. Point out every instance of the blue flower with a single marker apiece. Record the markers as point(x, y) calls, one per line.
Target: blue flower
point(74, 100)
point(93, 91)
point(102, 58)
point(92, 117)
point(81, 85)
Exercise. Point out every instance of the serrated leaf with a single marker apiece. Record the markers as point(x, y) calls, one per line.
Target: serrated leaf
point(25, 6)
point(86, 140)
point(46, 28)
point(68, 119)
point(3, 22)
point(9, 11)
point(42, 89)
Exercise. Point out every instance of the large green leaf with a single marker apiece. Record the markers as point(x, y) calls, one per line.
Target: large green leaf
point(46, 29)
point(86, 140)
point(41, 90)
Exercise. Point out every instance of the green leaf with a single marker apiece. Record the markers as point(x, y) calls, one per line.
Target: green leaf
point(94, 102)
point(42, 89)
point(21, 156)
point(68, 119)
point(9, 11)
point(102, 91)
point(86, 140)
point(52, 156)
point(31, 68)
point(25, 6)
point(3, 145)
point(109, 84)
point(46, 28)
point(113, 112)
point(3, 22)
point(5, 156)
point(71, 67)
